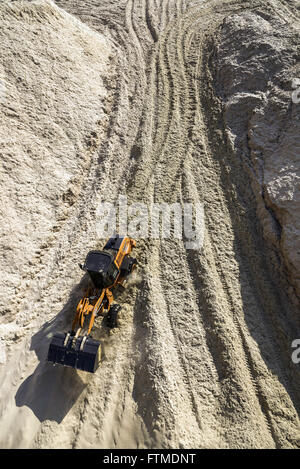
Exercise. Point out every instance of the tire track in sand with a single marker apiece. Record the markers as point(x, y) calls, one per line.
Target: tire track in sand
point(201, 357)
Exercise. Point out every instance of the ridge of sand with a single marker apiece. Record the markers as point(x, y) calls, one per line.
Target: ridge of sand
point(202, 357)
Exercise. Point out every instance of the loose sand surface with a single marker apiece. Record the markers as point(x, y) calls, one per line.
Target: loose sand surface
point(159, 101)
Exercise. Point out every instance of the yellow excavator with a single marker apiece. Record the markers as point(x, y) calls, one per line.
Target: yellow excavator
point(107, 269)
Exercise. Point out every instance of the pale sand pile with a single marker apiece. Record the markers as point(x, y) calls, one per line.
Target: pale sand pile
point(166, 102)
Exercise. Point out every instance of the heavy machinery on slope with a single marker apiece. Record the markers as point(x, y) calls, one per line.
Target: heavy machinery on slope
point(106, 269)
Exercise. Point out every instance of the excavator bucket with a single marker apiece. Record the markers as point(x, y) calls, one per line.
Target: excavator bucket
point(82, 353)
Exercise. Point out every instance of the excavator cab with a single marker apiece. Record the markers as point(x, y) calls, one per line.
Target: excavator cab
point(101, 268)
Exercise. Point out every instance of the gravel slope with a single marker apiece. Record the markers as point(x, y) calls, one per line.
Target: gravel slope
point(202, 357)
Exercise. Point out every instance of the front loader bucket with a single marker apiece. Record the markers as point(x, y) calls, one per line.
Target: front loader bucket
point(70, 352)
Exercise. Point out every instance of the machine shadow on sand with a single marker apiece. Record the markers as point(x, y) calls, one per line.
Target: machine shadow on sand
point(51, 391)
